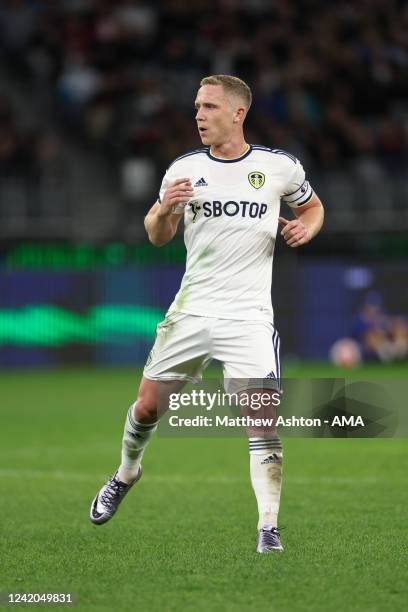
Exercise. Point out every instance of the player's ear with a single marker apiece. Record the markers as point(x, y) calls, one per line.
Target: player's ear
point(239, 114)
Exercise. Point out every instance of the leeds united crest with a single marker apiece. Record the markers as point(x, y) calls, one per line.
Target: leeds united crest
point(256, 179)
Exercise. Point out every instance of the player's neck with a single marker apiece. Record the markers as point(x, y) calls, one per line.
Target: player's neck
point(230, 150)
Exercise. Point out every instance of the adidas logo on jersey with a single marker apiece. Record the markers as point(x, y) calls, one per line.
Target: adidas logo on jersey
point(201, 183)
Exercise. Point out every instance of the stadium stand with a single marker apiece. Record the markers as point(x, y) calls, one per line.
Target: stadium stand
point(97, 99)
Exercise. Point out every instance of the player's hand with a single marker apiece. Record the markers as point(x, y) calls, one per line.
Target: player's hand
point(179, 192)
point(294, 232)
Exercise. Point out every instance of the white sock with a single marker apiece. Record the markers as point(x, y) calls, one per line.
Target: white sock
point(135, 439)
point(266, 477)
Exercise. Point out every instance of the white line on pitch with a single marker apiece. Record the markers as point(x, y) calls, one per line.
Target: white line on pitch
point(178, 478)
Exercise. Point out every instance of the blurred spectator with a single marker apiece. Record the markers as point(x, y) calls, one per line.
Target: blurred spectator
point(79, 82)
point(18, 23)
point(380, 336)
point(398, 332)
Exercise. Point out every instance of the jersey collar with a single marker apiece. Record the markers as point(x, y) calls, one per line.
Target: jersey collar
point(229, 161)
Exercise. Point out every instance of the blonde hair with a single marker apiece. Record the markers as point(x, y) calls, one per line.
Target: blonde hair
point(232, 85)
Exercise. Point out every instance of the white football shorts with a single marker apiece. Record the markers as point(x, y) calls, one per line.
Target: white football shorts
point(185, 344)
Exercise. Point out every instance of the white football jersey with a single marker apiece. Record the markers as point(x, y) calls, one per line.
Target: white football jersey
point(230, 229)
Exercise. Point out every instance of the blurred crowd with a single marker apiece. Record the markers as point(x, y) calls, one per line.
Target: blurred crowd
point(329, 78)
point(376, 336)
point(380, 335)
point(33, 169)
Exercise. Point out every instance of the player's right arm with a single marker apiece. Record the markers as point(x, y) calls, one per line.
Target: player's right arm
point(161, 222)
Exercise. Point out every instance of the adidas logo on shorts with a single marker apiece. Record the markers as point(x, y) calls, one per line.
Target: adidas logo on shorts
point(201, 183)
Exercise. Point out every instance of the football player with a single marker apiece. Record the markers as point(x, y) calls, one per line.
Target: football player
point(228, 193)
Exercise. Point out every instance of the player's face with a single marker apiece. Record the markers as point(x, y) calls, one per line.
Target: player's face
point(215, 115)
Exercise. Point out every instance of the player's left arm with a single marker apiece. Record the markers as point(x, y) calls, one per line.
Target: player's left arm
point(308, 222)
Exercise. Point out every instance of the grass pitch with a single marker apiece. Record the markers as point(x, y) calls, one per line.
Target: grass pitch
point(184, 538)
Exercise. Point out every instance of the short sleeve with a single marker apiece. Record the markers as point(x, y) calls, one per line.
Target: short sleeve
point(298, 190)
point(165, 183)
point(167, 180)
